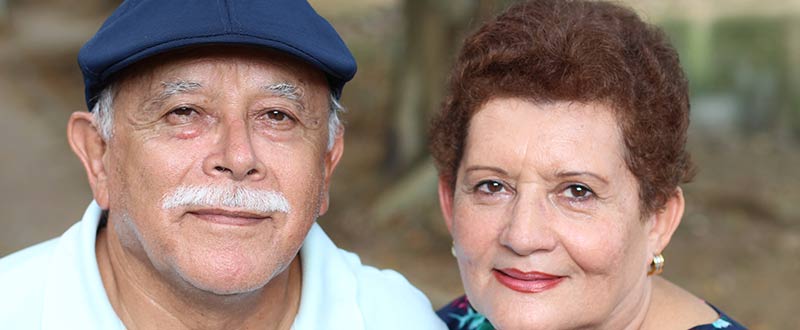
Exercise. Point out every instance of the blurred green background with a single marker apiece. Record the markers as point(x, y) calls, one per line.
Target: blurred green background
point(738, 245)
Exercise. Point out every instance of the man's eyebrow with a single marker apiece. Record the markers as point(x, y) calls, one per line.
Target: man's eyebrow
point(288, 91)
point(172, 88)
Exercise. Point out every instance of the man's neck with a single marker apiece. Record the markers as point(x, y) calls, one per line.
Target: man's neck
point(145, 299)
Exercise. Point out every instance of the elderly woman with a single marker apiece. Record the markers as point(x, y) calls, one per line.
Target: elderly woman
point(560, 150)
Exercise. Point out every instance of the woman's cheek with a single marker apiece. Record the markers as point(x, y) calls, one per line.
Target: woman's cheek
point(476, 230)
point(596, 249)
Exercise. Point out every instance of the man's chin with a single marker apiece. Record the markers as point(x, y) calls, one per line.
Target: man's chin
point(229, 290)
point(227, 281)
point(226, 286)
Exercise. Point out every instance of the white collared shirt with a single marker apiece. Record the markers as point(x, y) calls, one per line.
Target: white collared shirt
point(57, 285)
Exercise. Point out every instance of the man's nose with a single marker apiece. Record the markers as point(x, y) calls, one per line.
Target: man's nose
point(529, 228)
point(235, 155)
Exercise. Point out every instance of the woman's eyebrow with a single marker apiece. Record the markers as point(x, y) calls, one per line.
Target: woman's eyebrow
point(485, 168)
point(568, 174)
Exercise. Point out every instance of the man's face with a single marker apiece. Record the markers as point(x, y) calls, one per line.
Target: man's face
point(234, 119)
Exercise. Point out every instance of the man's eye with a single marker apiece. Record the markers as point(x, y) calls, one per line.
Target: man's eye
point(275, 119)
point(490, 187)
point(578, 191)
point(183, 111)
point(181, 115)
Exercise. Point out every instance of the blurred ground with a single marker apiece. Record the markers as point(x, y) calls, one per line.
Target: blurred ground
point(738, 246)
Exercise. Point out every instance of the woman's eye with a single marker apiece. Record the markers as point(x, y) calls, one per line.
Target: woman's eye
point(490, 187)
point(277, 115)
point(577, 191)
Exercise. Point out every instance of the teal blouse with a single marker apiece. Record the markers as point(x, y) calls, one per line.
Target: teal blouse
point(459, 315)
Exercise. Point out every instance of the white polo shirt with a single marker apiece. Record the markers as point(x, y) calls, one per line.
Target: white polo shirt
point(57, 285)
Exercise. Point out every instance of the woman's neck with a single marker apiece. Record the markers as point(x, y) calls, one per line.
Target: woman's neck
point(632, 312)
point(675, 308)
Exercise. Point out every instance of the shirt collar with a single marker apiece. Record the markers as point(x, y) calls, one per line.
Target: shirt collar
point(75, 297)
point(74, 294)
point(329, 294)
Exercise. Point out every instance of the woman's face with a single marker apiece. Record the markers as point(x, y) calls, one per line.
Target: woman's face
point(545, 218)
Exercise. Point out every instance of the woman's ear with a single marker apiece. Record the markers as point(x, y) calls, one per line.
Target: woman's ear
point(90, 148)
point(665, 221)
point(446, 201)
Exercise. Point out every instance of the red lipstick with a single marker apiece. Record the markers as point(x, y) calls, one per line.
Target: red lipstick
point(526, 282)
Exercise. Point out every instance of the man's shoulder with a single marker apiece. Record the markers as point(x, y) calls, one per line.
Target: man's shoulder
point(339, 292)
point(388, 300)
point(387, 280)
point(22, 280)
point(27, 264)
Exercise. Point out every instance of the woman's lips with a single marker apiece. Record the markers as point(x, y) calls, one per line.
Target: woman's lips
point(526, 282)
point(228, 217)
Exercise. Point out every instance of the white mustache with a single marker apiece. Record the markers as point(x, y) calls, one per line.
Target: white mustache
point(240, 198)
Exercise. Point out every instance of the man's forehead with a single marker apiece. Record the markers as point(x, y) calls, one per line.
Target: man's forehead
point(202, 65)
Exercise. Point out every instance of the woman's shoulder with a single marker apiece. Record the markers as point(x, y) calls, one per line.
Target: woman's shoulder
point(682, 309)
point(722, 322)
point(459, 315)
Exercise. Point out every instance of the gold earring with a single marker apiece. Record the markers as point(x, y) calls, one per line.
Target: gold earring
point(657, 265)
point(453, 249)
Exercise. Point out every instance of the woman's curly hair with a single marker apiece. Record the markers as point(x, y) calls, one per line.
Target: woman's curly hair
point(583, 51)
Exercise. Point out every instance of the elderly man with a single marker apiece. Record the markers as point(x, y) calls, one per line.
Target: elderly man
point(209, 148)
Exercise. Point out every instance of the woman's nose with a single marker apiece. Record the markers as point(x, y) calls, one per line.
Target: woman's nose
point(529, 226)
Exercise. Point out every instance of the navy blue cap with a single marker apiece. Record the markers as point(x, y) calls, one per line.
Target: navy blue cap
point(139, 29)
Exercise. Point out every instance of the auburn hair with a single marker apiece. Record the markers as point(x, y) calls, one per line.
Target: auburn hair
point(582, 51)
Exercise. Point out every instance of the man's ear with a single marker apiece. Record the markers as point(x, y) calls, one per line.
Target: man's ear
point(332, 158)
point(446, 201)
point(90, 148)
point(665, 221)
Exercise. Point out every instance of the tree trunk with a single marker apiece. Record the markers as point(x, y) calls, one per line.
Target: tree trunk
point(434, 31)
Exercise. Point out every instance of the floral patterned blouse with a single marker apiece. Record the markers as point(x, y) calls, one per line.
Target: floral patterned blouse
point(459, 315)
